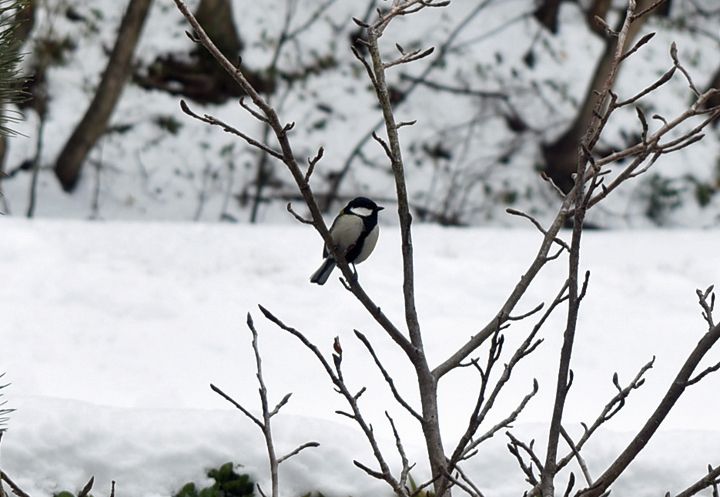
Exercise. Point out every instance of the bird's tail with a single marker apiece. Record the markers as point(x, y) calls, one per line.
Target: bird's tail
point(323, 273)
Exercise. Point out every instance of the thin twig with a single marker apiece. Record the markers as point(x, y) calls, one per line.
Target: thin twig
point(226, 127)
point(335, 375)
point(576, 453)
point(297, 450)
point(88, 486)
point(712, 479)
point(298, 216)
point(388, 378)
point(247, 413)
point(643, 436)
point(13, 486)
point(527, 448)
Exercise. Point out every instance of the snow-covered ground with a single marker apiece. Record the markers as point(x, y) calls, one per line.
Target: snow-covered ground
point(112, 332)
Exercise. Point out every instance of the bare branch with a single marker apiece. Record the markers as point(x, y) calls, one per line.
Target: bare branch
point(673, 393)
point(570, 485)
point(443, 49)
point(371, 472)
point(610, 409)
point(676, 60)
point(455, 90)
point(366, 65)
point(280, 404)
point(252, 111)
point(388, 378)
point(507, 422)
point(471, 488)
point(86, 489)
point(520, 317)
point(703, 374)
point(707, 307)
point(657, 84)
point(642, 41)
point(383, 144)
point(466, 485)
point(247, 413)
point(406, 123)
point(401, 450)
point(15, 489)
point(335, 376)
point(229, 129)
point(409, 57)
point(312, 162)
point(260, 490)
point(712, 479)
point(537, 224)
point(647, 10)
point(296, 451)
point(288, 158)
point(576, 453)
point(530, 452)
point(298, 216)
point(558, 190)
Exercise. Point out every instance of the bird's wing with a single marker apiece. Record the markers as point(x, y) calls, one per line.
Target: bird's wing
point(345, 231)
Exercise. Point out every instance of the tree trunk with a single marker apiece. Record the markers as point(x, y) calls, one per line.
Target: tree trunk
point(216, 18)
point(547, 14)
point(665, 8)
point(714, 101)
point(599, 8)
point(92, 126)
point(561, 155)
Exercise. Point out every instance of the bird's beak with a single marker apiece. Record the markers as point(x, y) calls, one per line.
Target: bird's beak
point(379, 207)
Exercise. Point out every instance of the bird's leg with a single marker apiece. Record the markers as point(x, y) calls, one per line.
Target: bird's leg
point(355, 274)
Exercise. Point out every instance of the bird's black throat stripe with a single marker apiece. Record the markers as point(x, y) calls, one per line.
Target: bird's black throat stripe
point(369, 222)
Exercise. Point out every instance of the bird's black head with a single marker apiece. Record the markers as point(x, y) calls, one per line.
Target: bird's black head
point(362, 206)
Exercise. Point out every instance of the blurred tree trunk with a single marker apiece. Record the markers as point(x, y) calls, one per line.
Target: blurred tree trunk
point(216, 18)
point(599, 8)
point(561, 155)
point(547, 14)
point(715, 99)
point(199, 77)
point(665, 8)
point(92, 126)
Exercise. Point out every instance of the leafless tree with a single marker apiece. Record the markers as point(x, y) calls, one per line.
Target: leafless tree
point(289, 33)
point(93, 124)
point(439, 58)
point(264, 422)
point(593, 181)
point(560, 156)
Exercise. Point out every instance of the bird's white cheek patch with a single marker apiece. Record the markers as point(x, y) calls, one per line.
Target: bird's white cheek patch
point(361, 211)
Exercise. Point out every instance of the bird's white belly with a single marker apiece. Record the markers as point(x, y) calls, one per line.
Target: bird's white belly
point(369, 244)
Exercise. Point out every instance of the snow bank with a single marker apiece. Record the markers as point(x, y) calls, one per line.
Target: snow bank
point(112, 332)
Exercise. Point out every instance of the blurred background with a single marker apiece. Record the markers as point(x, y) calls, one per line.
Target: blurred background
point(503, 98)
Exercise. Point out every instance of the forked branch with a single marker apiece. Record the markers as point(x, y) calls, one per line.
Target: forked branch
point(264, 423)
point(335, 373)
point(673, 393)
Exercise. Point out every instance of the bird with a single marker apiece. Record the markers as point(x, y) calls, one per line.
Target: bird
point(354, 232)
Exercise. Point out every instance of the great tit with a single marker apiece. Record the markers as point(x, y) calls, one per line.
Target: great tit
point(354, 232)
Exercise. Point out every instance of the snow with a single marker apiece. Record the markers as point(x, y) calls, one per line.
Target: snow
point(112, 332)
point(148, 173)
